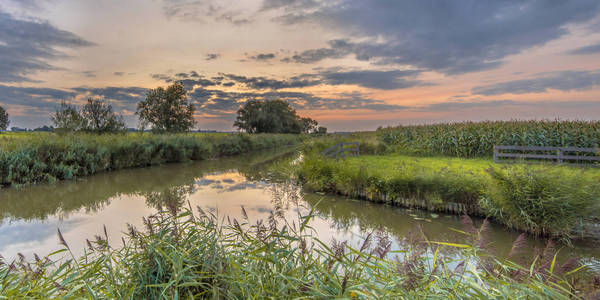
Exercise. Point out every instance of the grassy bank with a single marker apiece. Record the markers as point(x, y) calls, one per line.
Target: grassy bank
point(543, 200)
point(47, 157)
point(476, 139)
point(179, 255)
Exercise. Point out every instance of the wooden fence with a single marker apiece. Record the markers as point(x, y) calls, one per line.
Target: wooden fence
point(559, 155)
point(342, 150)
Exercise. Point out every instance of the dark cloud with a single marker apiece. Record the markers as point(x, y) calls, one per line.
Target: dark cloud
point(212, 56)
point(374, 79)
point(562, 81)
point(124, 96)
point(451, 37)
point(225, 104)
point(339, 49)
point(261, 83)
point(27, 46)
point(263, 56)
point(37, 99)
point(383, 80)
point(591, 49)
point(119, 73)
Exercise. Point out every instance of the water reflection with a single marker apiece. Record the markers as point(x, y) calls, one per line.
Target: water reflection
point(29, 216)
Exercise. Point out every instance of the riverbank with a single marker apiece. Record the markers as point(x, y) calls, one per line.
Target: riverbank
point(543, 200)
point(186, 255)
point(47, 157)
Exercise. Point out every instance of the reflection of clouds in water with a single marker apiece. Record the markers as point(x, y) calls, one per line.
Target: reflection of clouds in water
point(228, 180)
point(242, 186)
point(205, 182)
point(21, 232)
point(261, 209)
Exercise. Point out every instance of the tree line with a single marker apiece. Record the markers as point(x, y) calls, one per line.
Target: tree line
point(169, 110)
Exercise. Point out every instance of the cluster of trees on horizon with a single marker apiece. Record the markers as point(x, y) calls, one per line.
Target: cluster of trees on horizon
point(168, 110)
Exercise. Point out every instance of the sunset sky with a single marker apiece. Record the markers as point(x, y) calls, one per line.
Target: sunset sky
point(350, 64)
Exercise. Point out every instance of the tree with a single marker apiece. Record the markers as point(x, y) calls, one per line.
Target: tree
point(96, 116)
point(270, 116)
point(100, 118)
point(67, 118)
point(309, 125)
point(168, 110)
point(322, 130)
point(3, 119)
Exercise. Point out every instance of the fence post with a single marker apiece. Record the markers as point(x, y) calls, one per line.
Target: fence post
point(495, 154)
point(559, 158)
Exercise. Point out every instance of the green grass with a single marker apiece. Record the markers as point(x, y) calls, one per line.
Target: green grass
point(182, 256)
point(45, 157)
point(541, 199)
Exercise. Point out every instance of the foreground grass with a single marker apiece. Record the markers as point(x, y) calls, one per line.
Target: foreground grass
point(46, 157)
point(541, 199)
point(180, 255)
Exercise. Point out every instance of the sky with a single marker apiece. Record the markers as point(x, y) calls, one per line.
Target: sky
point(349, 64)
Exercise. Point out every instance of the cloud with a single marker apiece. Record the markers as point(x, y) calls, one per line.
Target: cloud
point(119, 73)
point(465, 105)
point(212, 56)
point(36, 99)
point(261, 82)
point(202, 11)
point(224, 104)
point(591, 49)
point(263, 56)
point(374, 79)
point(125, 97)
point(28, 45)
point(450, 37)
point(382, 80)
point(562, 81)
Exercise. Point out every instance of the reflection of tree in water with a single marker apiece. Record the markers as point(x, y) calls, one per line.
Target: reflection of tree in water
point(95, 192)
point(172, 199)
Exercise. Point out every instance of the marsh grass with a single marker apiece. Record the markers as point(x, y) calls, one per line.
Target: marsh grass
point(540, 199)
point(49, 157)
point(180, 254)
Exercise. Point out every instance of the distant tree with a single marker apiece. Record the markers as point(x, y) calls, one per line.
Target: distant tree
point(96, 116)
point(309, 125)
point(44, 128)
point(168, 110)
point(3, 119)
point(271, 116)
point(18, 129)
point(100, 118)
point(67, 118)
point(322, 130)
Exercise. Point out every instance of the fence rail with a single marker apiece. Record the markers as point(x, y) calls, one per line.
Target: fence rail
point(342, 150)
point(557, 156)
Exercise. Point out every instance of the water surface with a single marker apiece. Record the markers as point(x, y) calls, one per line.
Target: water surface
point(30, 216)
